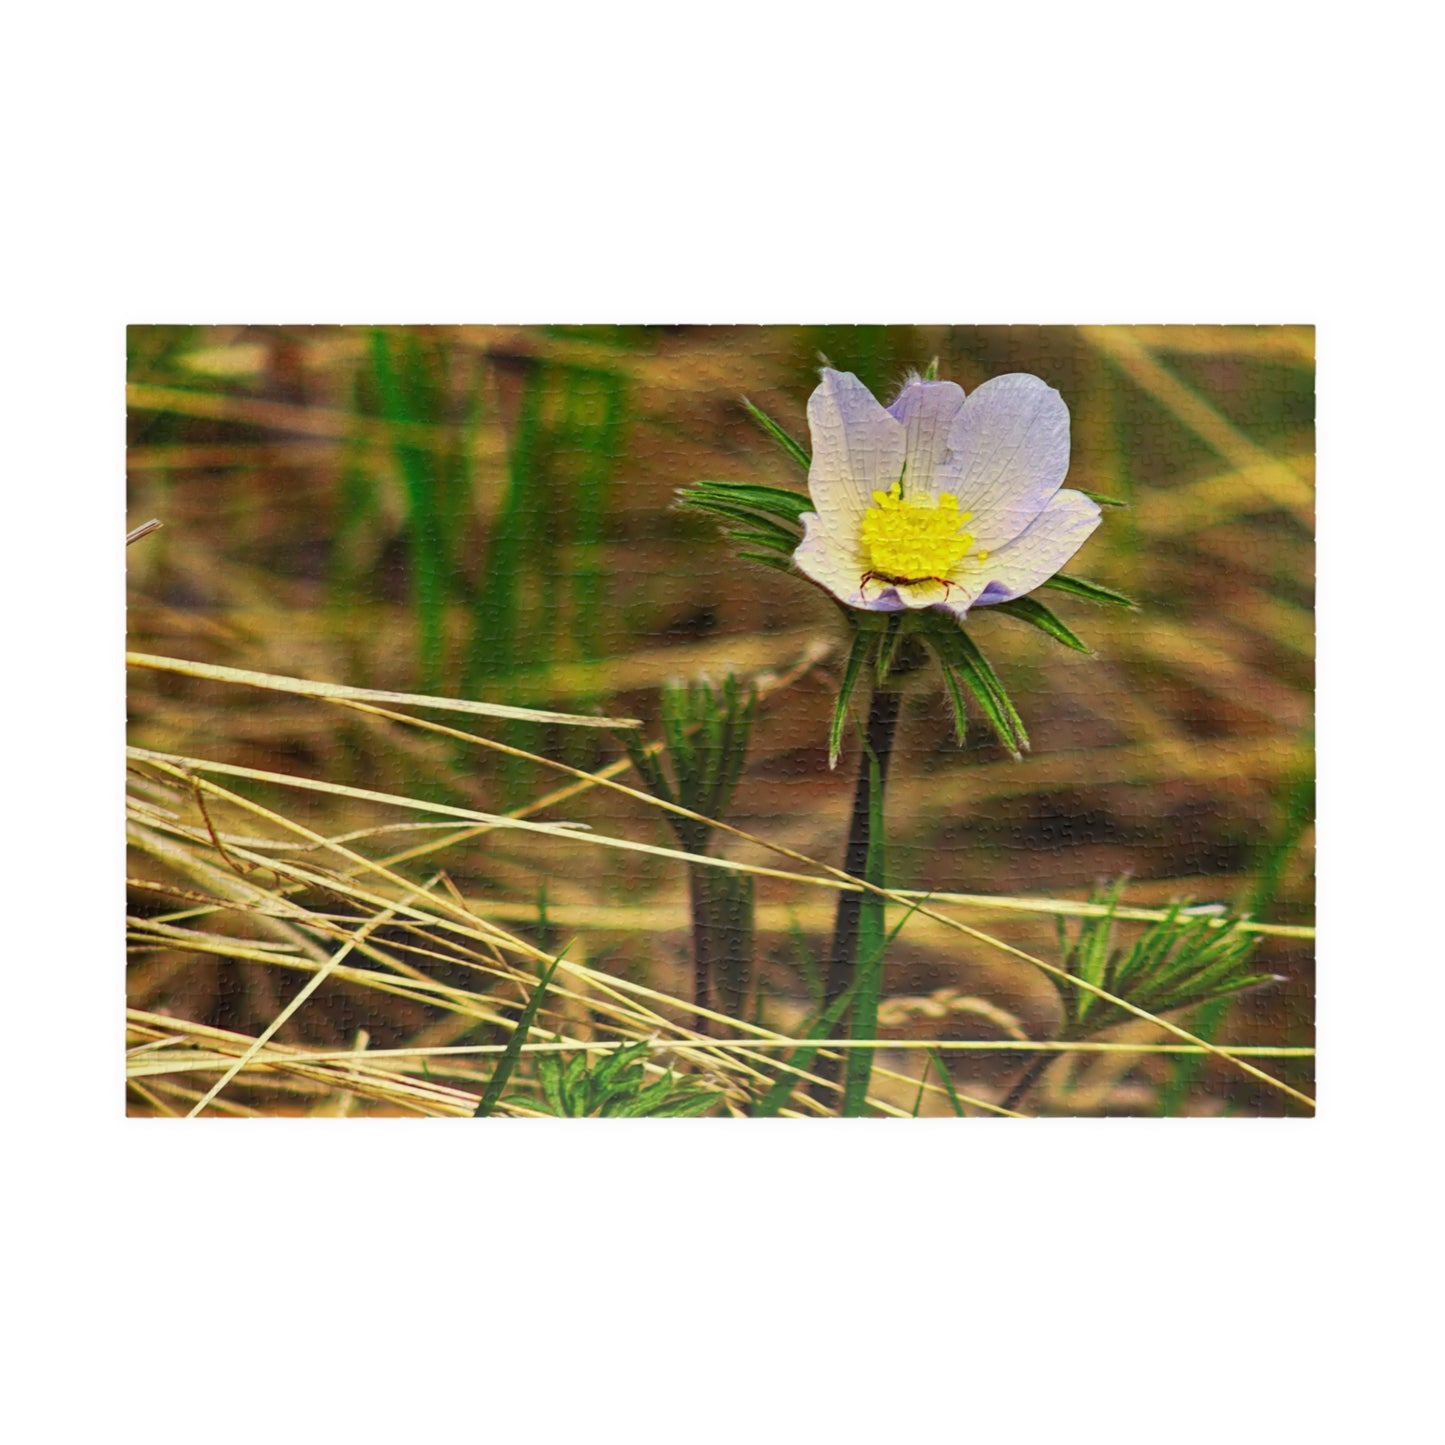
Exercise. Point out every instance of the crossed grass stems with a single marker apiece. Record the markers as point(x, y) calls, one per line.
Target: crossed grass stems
point(738, 1068)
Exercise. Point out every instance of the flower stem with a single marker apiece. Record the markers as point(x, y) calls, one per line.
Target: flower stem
point(872, 767)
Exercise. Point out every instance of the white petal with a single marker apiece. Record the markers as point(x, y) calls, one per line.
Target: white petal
point(1038, 552)
point(1011, 441)
point(928, 593)
point(927, 410)
point(857, 450)
point(835, 562)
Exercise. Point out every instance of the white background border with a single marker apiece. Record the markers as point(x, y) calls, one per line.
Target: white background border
point(308, 162)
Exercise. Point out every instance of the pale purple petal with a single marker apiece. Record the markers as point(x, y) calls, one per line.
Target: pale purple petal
point(834, 560)
point(857, 450)
point(1039, 551)
point(1011, 442)
point(927, 410)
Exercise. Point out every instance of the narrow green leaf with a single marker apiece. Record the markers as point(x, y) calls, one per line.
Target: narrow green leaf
point(794, 449)
point(764, 519)
point(617, 1063)
point(549, 1075)
point(955, 701)
point(774, 541)
point(981, 678)
point(857, 654)
point(807, 964)
point(1032, 611)
point(893, 633)
point(399, 372)
point(644, 1101)
point(767, 559)
point(646, 766)
point(1094, 591)
point(802, 1058)
point(955, 648)
point(941, 1069)
point(779, 502)
point(677, 720)
point(577, 1094)
point(513, 1051)
point(690, 1106)
point(1102, 500)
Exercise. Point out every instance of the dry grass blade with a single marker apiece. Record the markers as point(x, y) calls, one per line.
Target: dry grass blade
point(837, 878)
point(320, 977)
point(335, 691)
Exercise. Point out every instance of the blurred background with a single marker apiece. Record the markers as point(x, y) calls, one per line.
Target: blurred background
point(488, 512)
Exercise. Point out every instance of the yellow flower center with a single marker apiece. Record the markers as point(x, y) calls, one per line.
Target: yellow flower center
point(914, 537)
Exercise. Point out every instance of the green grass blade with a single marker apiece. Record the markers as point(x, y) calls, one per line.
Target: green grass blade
point(596, 440)
point(398, 369)
point(495, 650)
point(807, 964)
point(1298, 814)
point(803, 1058)
point(941, 1069)
point(513, 1051)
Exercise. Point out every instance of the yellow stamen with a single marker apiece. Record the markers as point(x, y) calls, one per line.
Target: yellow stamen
point(916, 536)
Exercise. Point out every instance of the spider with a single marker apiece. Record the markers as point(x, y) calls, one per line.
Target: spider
point(888, 579)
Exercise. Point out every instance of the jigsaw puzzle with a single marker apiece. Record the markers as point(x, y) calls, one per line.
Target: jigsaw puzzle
point(709, 722)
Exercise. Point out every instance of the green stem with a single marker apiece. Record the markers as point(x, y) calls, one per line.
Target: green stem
point(700, 896)
point(863, 849)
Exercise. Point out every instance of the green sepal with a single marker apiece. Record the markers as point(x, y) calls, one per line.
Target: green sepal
point(767, 559)
point(857, 654)
point(784, 545)
point(794, 449)
point(756, 496)
point(1094, 591)
point(984, 683)
point(957, 650)
point(893, 633)
point(1028, 609)
point(1102, 501)
point(955, 701)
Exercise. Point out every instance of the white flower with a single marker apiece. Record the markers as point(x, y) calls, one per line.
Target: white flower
point(936, 501)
